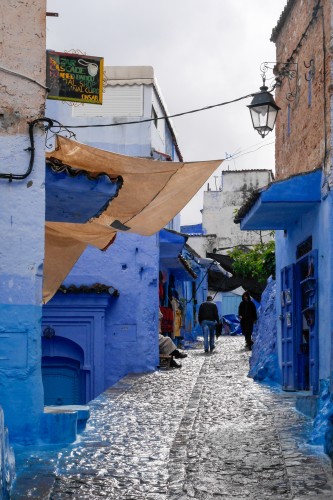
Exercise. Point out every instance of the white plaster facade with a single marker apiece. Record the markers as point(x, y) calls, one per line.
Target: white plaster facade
point(220, 233)
point(219, 207)
point(202, 243)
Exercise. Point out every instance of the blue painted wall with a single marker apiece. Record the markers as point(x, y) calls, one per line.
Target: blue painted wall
point(191, 290)
point(264, 363)
point(193, 328)
point(125, 334)
point(21, 270)
point(131, 324)
point(22, 222)
point(227, 302)
point(318, 223)
point(131, 264)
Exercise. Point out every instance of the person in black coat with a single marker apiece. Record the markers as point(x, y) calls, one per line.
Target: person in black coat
point(208, 319)
point(247, 313)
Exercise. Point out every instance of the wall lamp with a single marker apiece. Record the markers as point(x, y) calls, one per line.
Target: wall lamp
point(263, 110)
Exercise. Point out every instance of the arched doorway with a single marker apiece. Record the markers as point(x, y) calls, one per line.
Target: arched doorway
point(64, 380)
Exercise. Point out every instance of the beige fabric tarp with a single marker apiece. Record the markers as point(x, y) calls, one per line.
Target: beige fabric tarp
point(152, 194)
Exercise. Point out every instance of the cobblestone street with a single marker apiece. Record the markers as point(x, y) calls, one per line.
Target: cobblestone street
point(205, 431)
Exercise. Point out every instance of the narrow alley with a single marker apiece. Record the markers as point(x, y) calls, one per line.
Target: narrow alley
point(205, 431)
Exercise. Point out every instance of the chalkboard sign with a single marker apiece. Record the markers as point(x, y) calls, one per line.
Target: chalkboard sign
point(74, 77)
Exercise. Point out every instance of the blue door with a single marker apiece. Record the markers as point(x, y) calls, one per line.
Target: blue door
point(308, 291)
point(62, 381)
point(287, 299)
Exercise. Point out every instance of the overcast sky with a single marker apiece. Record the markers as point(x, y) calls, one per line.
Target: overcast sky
point(203, 52)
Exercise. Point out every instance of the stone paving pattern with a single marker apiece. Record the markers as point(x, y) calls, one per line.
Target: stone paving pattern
point(205, 431)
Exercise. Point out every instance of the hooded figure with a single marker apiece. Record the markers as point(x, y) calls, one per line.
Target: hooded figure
point(247, 313)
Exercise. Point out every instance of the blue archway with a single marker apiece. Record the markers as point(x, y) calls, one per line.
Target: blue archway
point(63, 378)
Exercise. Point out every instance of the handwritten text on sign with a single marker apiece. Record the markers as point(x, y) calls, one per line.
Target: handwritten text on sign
point(74, 77)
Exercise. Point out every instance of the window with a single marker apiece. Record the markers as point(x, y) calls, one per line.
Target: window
point(118, 101)
point(304, 247)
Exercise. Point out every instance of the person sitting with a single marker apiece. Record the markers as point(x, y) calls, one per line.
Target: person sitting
point(168, 348)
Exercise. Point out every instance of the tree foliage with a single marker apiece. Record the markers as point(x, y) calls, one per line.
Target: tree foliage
point(258, 263)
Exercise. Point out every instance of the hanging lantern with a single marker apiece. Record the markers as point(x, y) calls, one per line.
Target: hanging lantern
point(263, 111)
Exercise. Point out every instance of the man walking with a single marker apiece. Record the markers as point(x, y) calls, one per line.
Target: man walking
point(208, 319)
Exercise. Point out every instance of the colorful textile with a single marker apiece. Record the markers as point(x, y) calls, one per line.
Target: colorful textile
point(167, 321)
point(177, 317)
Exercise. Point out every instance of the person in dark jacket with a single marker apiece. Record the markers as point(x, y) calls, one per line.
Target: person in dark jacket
point(247, 313)
point(208, 319)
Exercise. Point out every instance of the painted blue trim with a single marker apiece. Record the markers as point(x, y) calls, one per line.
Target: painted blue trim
point(192, 229)
point(172, 237)
point(171, 244)
point(282, 203)
point(304, 187)
point(288, 328)
point(309, 307)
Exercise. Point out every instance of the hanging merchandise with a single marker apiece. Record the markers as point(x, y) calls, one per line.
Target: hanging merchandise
point(167, 321)
point(177, 317)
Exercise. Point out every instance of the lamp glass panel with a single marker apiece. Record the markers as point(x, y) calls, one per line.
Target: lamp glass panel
point(271, 117)
point(259, 116)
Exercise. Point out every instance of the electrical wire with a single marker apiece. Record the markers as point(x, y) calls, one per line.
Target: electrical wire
point(11, 72)
point(244, 152)
point(240, 151)
point(164, 117)
point(31, 149)
point(197, 286)
point(253, 151)
point(51, 124)
point(55, 124)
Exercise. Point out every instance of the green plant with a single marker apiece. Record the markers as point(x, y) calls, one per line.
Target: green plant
point(258, 263)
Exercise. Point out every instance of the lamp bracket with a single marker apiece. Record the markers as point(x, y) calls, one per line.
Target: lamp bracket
point(282, 71)
point(310, 66)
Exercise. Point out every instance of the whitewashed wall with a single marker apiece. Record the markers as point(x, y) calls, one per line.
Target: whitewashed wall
point(219, 207)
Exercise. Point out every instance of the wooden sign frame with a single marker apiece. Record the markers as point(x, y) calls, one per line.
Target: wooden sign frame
point(74, 77)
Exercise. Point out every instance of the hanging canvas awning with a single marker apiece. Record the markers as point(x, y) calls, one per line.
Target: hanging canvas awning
point(153, 192)
point(282, 203)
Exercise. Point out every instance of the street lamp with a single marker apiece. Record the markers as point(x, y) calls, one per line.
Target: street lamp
point(263, 111)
